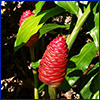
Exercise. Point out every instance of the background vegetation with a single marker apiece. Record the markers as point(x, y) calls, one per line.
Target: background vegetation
point(82, 78)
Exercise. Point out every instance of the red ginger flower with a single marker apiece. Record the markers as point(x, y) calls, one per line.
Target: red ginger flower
point(53, 66)
point(34, 37)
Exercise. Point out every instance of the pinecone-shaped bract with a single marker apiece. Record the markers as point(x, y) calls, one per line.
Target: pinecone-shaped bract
point(34, 37)
point(53, 66)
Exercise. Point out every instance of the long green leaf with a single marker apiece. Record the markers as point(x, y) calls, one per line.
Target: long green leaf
point(32, 24)
point(27, 29)
point(70, 6)
point(95, 31)
point(96, 8)
point(96, 95)
point(83, 59)
point(39, 6)
point(94, 87)
point(88, 81)
point(41, 87)
point(51, 12)
point(80, 62)
point(48, 27)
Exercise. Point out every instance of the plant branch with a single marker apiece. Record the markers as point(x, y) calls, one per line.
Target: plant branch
point(77, 27)
point(52, 92)
point(36, 95)
point(31, 48)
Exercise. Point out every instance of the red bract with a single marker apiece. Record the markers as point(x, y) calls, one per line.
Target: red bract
point(53, 66)
point(34, 37)
point(25, 15)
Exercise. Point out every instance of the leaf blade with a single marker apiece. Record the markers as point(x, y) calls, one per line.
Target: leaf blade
point(39, 6)
point(32, 24)
point(51, 12)
point(70, 6)
point(48, 27)
point(95, 31)
point(85, 89)
point(27, 30)
point(81, 61)
point(35, 64)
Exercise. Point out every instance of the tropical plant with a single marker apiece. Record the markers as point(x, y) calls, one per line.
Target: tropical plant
point(85, 21)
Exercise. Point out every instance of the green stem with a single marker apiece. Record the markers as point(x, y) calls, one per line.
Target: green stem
point(32, 54)
point(76, 29)
point(36, 95)
point(43, 44)
point(52, 92)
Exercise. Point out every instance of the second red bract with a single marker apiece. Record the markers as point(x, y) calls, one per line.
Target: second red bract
point(53, 66)
point(34, 37)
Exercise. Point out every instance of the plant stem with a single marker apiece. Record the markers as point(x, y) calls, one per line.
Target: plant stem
point(31, 48)
point(36, 95)
point(43, 44)
point(77, 27)
point(52, 92)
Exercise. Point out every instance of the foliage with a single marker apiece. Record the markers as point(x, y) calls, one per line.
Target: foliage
point(79, 63)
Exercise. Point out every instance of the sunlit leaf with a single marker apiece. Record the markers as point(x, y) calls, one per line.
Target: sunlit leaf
point(96, 95)
point(39, 6)
point(41, 87)
point(70, 6)
point(83, 59)
point(32, 24)
point(35, 64)
point(96, 8)
point(27, 29)
point(95, 31)
point(80, 62)
point(48, 27)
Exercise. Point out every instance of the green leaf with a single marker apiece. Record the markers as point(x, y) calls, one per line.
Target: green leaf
point(35, 64)
point(41, 87)
point(70, 6)
point(39, 6)
point(83, 59)
point(48, 27)
point(32, 24)
point(28, 28)
point(95, 31)
point(80, 62)
point(85, 91)
point(96, 66)
point(96, 8)
point(88, 76)
point(51, 12)
point(96, 95)
point(94, 87)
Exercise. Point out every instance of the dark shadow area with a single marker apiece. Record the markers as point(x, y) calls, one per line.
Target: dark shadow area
point(75, 73)
point(81, 83)
point(64, 86)
point(94, 87)
point(71, 64)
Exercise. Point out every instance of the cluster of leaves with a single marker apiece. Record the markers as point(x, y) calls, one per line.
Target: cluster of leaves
point(78, 64)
